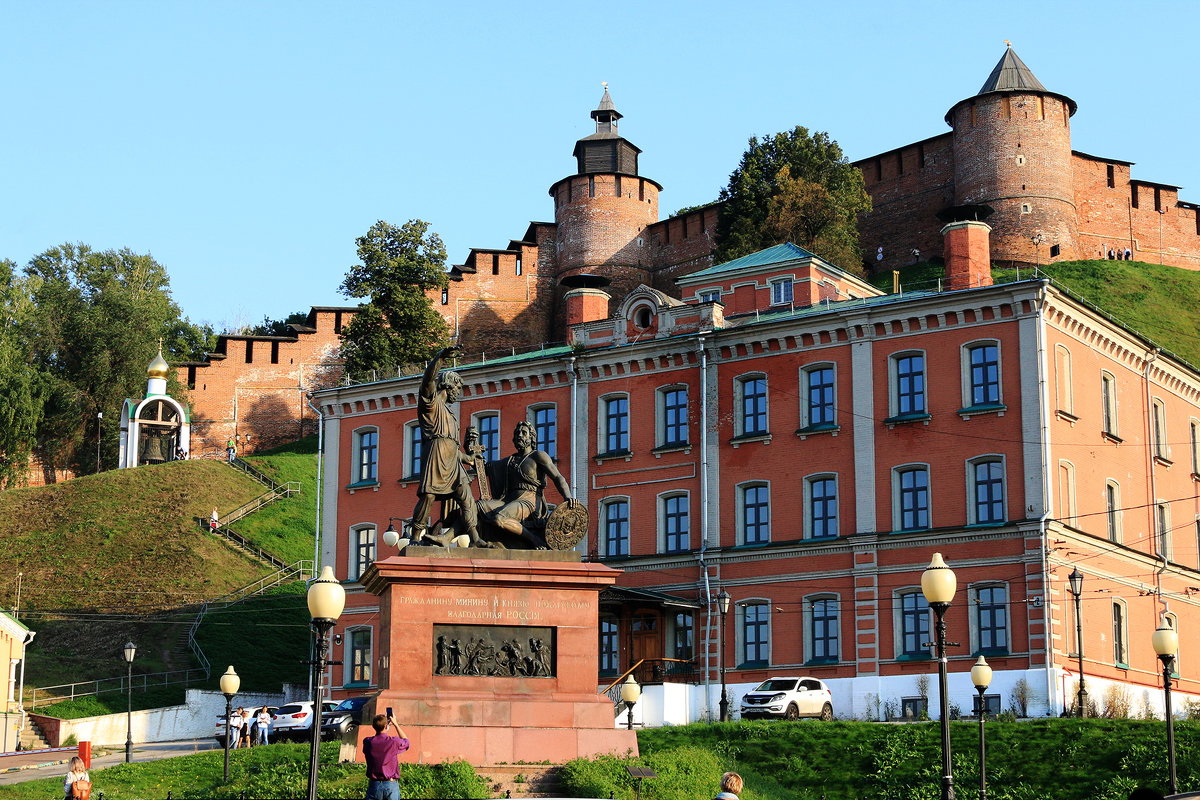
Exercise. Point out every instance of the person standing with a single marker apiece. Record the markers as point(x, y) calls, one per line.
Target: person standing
point(264, 725)
point(731, 786)
point(247, 727)
point(76, 771)
point(236, 720)
point(382, 753)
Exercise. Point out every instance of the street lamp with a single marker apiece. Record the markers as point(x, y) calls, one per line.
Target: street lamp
point(938, 584)
point(391, 536)
point(230, 683)
point(723, 606)
point(630, 694)
point(130, 652)
point(326, 599)
point(1166, 645)
point(981, 678)
point(1075, 581)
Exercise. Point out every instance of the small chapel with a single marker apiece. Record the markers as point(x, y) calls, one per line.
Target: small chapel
point(156, 428)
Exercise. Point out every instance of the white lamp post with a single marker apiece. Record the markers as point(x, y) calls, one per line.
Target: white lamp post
point(1166, 645)
point(230, 683)
point(630, 694)
point(326, 600)
point(981, 678)
point(130, 652)
point(938, 584)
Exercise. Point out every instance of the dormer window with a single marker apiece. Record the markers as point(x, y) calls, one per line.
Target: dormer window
point(781, 292)
point(643, 317)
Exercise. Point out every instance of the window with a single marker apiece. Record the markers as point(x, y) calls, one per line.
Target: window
point(709, 295)
point(914, 707)
point(488, 426)
point(1066, 493)
point(684, 646)
point(413, 449)
point(1112, 510)
point(362, 542)
point(987, 491)
point(609, 658)
point(983, 361)
point(1158, 429)
point(909, 384)
point(1108, 403)
point(615, 425)
point(616, 527)
point(360, 655)
point(823, 627)
point(991, 619)
point(545, 429)
point(445, 297)
point(755, 516)
point(781, 292)
point(818, 407)
point(1162, 524)
point(1120, 644)
point(821, 502)
point(673, 411)
point(366, 455)
point(991, 702)
point(1112, 176)
point(756, 634)
point(752, 403)
point(675, 524)
point(914, 625)
point(1063, 387)
point(912, 498)
point(1194, 440)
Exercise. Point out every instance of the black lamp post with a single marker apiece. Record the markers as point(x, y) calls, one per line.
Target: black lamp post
point(630, 694)
point(391, 536)
point(981, 678)
point(230, 683)
point(130, 652)
point(938, 584)
point(723, 607)
point(326, 600)
point(1166, 645)
point(1075, 581)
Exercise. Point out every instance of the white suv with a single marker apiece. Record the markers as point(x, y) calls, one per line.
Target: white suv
point(295, 720)
point(789, 698)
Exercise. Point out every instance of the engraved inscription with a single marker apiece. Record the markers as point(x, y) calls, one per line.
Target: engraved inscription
point(499, 651)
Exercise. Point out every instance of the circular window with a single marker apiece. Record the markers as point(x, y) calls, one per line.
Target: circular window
point(642, 317)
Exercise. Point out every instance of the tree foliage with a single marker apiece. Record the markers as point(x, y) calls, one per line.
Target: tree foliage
point(22, 387)
point(398, 324)
point(794, 186)
point(279, 327)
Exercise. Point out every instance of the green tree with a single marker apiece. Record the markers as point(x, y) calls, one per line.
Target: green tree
point(279, 327)
point(96, 322)
point(22, 386)
point(398, 325)
point(786, 170)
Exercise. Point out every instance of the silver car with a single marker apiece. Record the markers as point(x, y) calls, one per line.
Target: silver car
point(788, 698)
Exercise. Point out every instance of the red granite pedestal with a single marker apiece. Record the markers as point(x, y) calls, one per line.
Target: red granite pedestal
point(554, 714)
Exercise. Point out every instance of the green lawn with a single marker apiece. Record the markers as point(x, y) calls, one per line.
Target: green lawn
point(286, 528)
point(264, 638)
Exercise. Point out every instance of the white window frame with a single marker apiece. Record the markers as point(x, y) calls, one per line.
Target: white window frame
point(1162, 529)
point(1114, 518)
point(1120, 638)
point(412, 430)
point(531, 417)
point(898, 622)
point(894, 382)
point(1109, 418)
point(805, 398)
point(897, 511)
point(661, 414)
point(355, 569)
point(616, 641)
point(973, 592)
point(783, 290)
point(661, 503)
point(348, 657)
point(810, 628)
point(357, 455)
point(708, 295)
point(602, 528)
point(740, 630)
point(476, 421)
point(739, 404)
point(1160, 443)
point(968, 385)
point(972, 504)
point(1194, 445)
point(602, 423)
point(808, 507)
point(740, 490)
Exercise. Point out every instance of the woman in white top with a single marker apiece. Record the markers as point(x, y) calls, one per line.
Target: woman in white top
point(264, 725)
point(76, 772)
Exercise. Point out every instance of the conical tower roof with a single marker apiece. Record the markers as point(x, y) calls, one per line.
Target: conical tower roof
point(1011, 75)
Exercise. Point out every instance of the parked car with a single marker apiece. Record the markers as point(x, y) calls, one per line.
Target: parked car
point(219, 733)
point(788, 698)
point(346, 717)
point(294, 721)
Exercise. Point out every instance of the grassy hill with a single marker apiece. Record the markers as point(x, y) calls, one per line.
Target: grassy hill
point(1161, 303)
point(286, 528)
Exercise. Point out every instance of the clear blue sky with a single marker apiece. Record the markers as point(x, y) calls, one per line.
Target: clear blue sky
point(246, 144)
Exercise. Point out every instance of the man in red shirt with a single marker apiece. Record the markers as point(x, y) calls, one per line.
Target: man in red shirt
point(382, 752)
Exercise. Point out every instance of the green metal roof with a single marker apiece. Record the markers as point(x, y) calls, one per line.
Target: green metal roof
point(778, 254)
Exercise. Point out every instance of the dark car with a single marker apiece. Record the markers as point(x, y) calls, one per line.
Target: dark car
point(346, 717)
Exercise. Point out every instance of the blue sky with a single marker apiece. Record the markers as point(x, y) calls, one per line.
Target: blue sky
point(246, 144)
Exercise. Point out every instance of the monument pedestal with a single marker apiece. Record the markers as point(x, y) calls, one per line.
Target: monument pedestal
point(492, 659)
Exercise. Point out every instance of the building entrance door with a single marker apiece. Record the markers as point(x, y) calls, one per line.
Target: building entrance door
point(645, 636)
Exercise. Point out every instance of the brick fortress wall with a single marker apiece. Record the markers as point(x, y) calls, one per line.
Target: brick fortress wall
point(257, 385)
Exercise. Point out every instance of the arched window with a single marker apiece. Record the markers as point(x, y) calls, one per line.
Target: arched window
point(754, 513)
point(1064, 387)
point(985, 476)
point(1112, 510)
point(990, 619)
point(614, 516)
point(362, 549)
point(821, 503)
point(358, 657)
point(754, 633)
point(674, 522)
point(488, 425)
point(818, 407)
point(823, 623)
point(614, 424)
point(912, 624)
point(366, 455)
point(982, 372)
point(750, 396)
point(910, 497)
point(908, 384)
point(1120, 634)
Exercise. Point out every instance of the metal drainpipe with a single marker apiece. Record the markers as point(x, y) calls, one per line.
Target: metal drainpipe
point(704, 522)
point(574, 421)
point(1047, 484)
point(1159, 550)
point(320, 482)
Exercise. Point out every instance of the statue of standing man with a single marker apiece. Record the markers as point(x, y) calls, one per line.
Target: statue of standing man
point(443, 476)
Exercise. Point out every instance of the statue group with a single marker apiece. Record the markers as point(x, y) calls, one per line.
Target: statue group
point(511, 510)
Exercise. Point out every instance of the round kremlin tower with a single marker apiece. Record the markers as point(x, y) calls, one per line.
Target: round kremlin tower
point(1012, 152)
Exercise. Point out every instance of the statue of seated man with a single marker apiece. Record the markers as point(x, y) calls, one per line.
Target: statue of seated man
point(520, 489)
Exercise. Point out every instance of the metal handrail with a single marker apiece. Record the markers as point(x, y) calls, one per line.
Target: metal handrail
point(246, 467)
point(55, 694)
point(266, 498)
point(242, 542)
point(613, 690)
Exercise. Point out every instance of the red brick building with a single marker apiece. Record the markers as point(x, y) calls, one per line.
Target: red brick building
point(1009, 148)
point(253, 389)
point(784, 432)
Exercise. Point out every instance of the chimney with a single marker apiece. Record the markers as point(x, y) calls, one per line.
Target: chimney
point(586, 305)
point(968, 254)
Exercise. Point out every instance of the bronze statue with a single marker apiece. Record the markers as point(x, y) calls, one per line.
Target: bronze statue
point(521, 509)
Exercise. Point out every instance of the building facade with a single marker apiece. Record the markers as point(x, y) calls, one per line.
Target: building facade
point(790, 435)
point(1009, 149)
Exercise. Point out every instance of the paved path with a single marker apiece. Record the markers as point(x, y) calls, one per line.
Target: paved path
point(43, 764)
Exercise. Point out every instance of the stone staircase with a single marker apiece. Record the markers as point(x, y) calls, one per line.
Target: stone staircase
point(523, 780)
point(32, 737)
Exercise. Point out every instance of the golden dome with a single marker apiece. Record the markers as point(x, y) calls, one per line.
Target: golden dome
point(159, 368)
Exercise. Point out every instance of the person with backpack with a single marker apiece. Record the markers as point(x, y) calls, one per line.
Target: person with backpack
point(77, 786)
point(731, 786)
